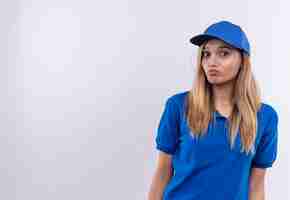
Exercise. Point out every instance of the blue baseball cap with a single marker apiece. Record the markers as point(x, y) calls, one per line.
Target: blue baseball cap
point(226, 31)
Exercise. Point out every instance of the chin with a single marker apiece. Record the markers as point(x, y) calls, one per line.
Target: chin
point(215, 81)
point(218, 82)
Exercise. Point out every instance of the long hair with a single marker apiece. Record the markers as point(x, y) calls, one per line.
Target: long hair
point(246, 102)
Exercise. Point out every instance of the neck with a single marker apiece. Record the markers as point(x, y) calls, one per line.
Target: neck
point(223, 95)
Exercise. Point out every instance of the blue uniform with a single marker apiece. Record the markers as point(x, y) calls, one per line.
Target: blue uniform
point(207, 168)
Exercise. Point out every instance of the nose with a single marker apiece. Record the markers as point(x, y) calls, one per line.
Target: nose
point(212, 61)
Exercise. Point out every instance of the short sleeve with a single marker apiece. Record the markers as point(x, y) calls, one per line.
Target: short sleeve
point(168, 128)
point(266, 152)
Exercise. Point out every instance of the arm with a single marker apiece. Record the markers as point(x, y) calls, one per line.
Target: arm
point(265, 156)
point(161, 176)
point(257, 184)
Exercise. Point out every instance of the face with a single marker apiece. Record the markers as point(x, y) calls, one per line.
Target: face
point(220, 62)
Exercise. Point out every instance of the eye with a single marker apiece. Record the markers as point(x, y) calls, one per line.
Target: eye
point(224, 53)
point(205, 54)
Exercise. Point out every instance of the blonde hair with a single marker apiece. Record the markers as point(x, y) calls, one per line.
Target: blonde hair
point(246, 102)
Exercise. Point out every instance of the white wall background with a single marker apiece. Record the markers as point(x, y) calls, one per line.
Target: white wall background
point(83, 84)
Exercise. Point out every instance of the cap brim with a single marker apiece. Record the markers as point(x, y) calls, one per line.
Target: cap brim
point(199, 39)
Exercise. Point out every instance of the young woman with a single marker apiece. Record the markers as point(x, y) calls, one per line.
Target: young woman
point(216, 140)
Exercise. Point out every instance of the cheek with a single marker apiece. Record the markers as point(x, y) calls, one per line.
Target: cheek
point(232, 68)
point(231, 72)
point(202, 63)
point(203, 66)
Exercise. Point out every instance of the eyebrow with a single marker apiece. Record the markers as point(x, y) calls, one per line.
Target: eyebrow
point(221, 47)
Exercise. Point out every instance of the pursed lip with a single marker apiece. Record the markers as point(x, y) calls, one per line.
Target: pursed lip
point(213, 71)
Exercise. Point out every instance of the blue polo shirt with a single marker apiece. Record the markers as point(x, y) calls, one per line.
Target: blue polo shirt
point(207, 168)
